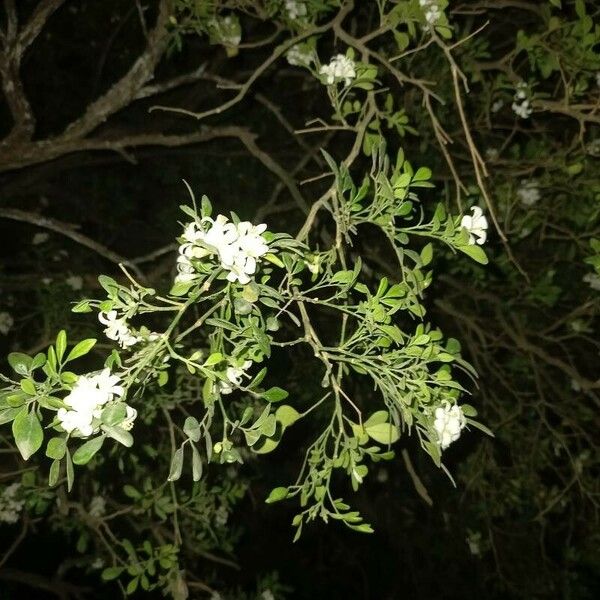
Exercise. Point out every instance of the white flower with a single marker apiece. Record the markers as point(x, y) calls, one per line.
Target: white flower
point(238, 248)
point(521, 105)
point(295, 9)
point(117, 329)
point(85, 401)
point(449, 422)
point(185, 269)
point(339, 67)
point(40, 238)
point(529, 192)
point(107, 385)
point(593, 279)
point(300, 56)
point(130, 417)
point(432, 11)
point(6, 322)
point(75, 282)
point(267, 595)
point(234, 375)
point(476, 225)
point(97, 507)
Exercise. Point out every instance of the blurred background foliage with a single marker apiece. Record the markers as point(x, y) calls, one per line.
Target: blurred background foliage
point(522, 521)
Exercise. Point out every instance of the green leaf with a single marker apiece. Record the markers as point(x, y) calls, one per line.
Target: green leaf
point(54, 473)
point(28, 433)
point(119, 434)
point(176, 465)
point(277, 494)
point(381, 416)
point(85, 452)
point(56, 448)
point(191, 428)
point(28, 387)
point(111, 573)
point(8, 414)
point(213, 359)
point(274, 394)
point(114, 414)
point(81, 349)
point(286, 415)
point(196, 464)
point(384, 433)
point(181, 288)
point(475, 252)
point(20, 362)
point(82, 307)
point(61, 344)
point(70, 472)
point(427, 254)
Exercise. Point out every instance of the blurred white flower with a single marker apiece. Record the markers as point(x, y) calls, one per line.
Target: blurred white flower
point(75, 282)
point(40, 238)
point(593, 279)
point(300, 56)
point(6, 322)
point(97, 507)
point(295, 9)
point(521, 104)
point(432, 11)
point(476, 225)
point(497, 105)
point(10, 505)
point(529, 192)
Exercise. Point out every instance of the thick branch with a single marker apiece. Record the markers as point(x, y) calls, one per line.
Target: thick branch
point(122, 93)
point(36, 23)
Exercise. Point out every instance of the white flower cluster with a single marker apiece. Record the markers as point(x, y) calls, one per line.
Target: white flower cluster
point(234, 377)
point(6, 322)
point(117, 329)
point(87, 399)
point(521, 105)
point(529, 192)
point(476, 225)
point(448, 424)
point(339, 67)
point(10, 506)
point(238, 248)
point(593, 279)
point(295, 9)
point(300, 56)
point(432, 11)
